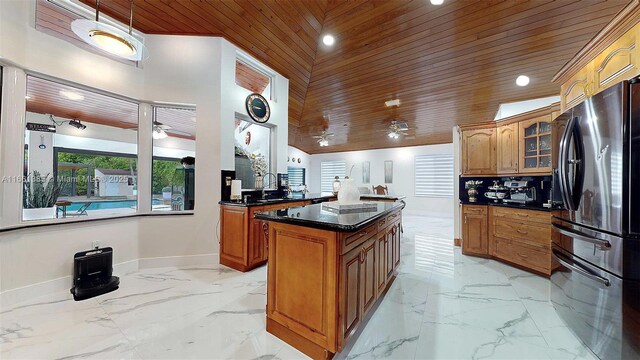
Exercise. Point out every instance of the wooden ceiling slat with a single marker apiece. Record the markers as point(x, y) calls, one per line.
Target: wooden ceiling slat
point(449, 64)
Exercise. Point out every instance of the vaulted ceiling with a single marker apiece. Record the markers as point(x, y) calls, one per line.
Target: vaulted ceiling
point(450, 64)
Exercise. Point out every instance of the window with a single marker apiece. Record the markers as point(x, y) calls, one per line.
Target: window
point(252, 154)
point(81, 152)
point(296, 177)
point(328, 172)
point(434, 175)
point(174, 151)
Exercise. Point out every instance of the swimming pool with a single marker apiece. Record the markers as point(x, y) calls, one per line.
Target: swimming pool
point(109, 204)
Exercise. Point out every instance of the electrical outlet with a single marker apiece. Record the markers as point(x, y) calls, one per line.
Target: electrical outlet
point(95, 244)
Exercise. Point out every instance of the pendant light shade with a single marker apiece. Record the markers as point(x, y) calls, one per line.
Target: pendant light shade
point(109, 38)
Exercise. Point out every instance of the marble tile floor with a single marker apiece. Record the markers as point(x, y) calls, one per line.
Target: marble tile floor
point(443, 305)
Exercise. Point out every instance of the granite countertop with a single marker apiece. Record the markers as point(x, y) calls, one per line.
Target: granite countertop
point(311, 196)
point(538, 207)
point(294, 198)
point(315, 216)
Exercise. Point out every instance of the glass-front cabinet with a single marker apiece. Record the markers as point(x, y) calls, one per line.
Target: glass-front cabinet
point(535, 145)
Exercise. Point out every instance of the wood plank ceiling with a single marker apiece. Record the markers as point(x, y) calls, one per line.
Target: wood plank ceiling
point(449, 65)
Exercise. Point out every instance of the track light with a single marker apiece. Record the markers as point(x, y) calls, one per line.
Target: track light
point(77, 124)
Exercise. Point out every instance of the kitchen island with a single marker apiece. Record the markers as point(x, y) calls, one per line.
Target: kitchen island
point(327, 272)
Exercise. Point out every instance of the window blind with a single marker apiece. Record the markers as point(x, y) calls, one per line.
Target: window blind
point(328, 171)
point(296, 176)
point(434, 175)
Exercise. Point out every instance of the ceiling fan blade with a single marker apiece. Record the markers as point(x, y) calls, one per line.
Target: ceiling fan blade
point(178, 132)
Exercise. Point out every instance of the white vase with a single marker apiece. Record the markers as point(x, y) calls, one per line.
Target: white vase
point(348, 193)
point(39, 213)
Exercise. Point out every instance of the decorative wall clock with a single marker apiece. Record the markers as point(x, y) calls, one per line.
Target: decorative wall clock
point(258, 108)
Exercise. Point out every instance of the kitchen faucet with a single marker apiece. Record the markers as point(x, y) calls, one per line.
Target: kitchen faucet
point(263, 187)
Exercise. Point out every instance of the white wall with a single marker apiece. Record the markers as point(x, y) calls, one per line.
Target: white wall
point(196, 71)
point(515, 108)
point(403, 174)
point(305, 162)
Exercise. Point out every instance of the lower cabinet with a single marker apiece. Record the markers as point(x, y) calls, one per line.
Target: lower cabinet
point(243, 239)
point(520, 237)
point(366, 271)
point(475, 239)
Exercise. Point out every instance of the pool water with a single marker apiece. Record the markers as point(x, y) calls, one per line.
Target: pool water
point(104, 205)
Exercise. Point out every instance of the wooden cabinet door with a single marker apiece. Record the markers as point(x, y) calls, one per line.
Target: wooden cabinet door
point(617, 62)
point(381, 266)
point(475, 237)
point(257, 251)
point(507, 149)
point(368, 281)
point(577, 88)
point(389, 255)
point(351, 283)
point(535, 145)
point(233, 233)
point(479, 152)
point(397, 236)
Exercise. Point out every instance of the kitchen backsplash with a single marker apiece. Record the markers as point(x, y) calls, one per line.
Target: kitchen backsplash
point(542, 185)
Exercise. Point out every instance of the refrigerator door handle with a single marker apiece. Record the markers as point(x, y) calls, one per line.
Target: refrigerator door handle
point(603, 245)
point(579, 268)
point(562, 164)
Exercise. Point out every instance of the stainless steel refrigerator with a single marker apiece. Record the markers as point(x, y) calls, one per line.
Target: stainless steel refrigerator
point(596, 237)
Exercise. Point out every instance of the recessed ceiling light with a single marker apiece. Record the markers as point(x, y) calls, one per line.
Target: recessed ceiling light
point(71, 95)
point(437, 2)
point(522, 80)
point(394, 102)
point(328, 40)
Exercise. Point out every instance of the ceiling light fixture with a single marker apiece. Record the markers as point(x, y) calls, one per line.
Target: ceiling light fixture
point(328, 40)
point(77, 124)
point(437, 2)
point(27, 97)
point(522, 80)
point(109, 38)
point(71, 95)
point(394, 135)
point(390, 103)
point(323, 138)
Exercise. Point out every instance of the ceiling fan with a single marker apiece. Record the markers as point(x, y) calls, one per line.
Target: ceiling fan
point(397, 128)
point(323, 138)
point(160, 130)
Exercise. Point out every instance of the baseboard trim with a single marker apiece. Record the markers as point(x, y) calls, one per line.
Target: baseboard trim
point(17, 295)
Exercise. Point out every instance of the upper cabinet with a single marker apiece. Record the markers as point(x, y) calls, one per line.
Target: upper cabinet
point(616, 63)
point(520, 144)
point(479, 152)
point(535, 145)
point(610, 57)
point(507, 149)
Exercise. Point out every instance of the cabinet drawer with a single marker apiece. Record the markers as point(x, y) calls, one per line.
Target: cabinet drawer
point(541, 217)
point(475, 209)
point(520, 254)
point(535, 235)
point(352, 240)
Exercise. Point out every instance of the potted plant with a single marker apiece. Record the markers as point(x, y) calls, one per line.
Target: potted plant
point(472, 189)
point(39, 196)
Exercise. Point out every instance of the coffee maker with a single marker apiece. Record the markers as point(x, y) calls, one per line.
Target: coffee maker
point(520, 192)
